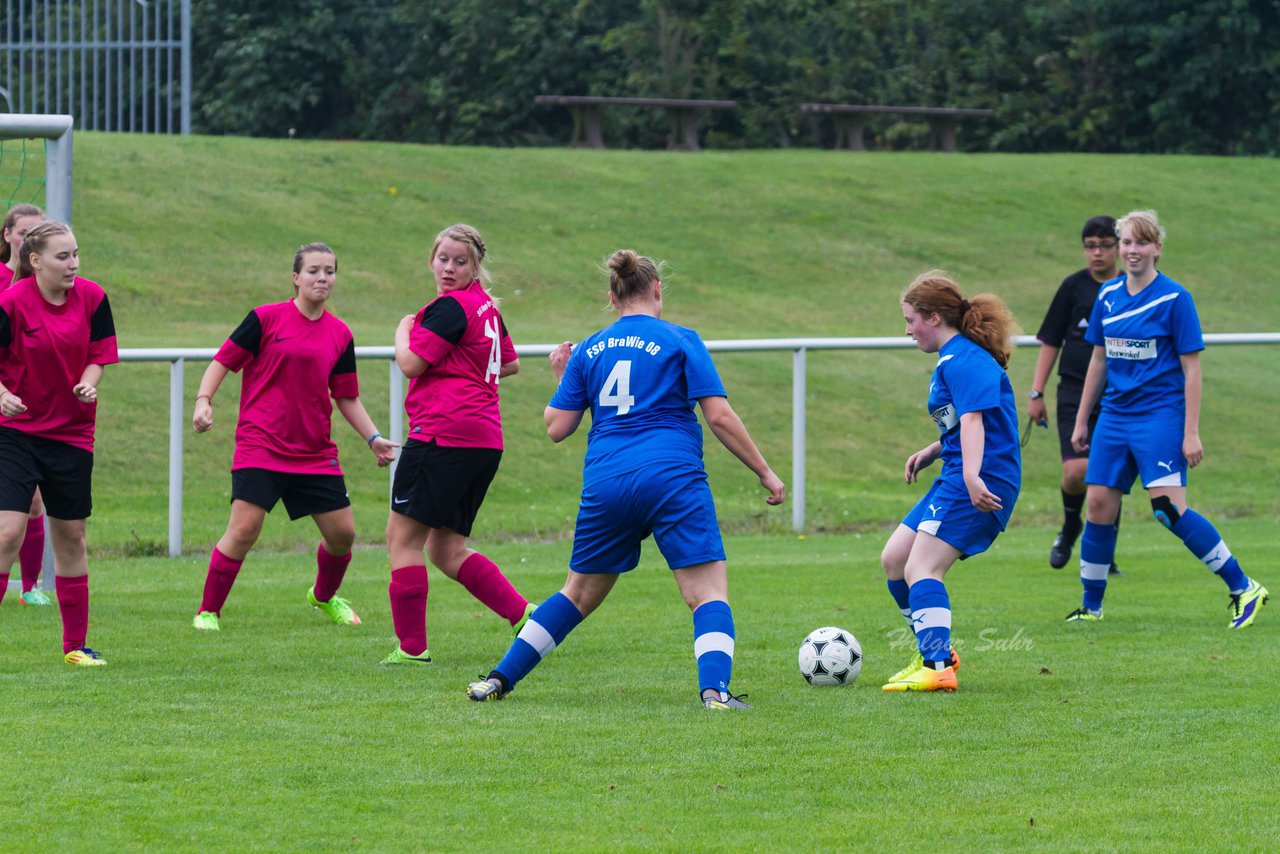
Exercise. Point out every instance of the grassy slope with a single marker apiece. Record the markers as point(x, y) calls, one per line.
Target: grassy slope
point(187, 234)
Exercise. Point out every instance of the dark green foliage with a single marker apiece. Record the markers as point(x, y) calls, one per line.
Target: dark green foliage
point(1141, 76)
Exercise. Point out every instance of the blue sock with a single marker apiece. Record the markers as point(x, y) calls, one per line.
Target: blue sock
point(931, 619)
point(548, 626)
point(1202, 539)
point(713, 645)
point(1097, 552)
point(900, 592)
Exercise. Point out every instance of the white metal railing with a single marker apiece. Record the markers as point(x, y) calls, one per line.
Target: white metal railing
point(799, 347)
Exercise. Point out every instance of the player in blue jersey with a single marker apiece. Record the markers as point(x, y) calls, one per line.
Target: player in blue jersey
point(1063, 332)
point(1146, 342)
point(969, 504)
point(643, 475)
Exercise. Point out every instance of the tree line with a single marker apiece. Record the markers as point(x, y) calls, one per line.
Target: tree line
point(1130, 76)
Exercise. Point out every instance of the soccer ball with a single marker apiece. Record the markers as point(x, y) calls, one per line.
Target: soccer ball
point(830, 656)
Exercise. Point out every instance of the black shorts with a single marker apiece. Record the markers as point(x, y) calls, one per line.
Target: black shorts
point(303, 494)
point(64, 474)
point(1069, 395)
point(443, 487)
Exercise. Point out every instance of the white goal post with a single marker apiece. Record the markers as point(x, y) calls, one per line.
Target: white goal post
point(56, 133)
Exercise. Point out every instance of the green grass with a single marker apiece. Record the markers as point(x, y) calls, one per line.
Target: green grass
point(187, 234)
point(1151, 729)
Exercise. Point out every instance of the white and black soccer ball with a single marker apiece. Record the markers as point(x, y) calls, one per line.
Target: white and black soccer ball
point(830, 656)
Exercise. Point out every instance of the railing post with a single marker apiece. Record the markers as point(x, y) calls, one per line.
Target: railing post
point(395, 417)
point(176, 410)
point(797, 439)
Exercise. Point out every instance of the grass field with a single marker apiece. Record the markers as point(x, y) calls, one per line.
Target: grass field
point(1152, 729)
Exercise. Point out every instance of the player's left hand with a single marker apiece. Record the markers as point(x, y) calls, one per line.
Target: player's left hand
point(982, 498)
point(85, 393)
point(1192, 449)
point(384, 450)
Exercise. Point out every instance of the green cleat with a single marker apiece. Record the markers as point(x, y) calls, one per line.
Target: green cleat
point(84, 657)
point(528, 612)
point(925, 678)
point(206, 621)
point(399, 656)
point(918, 662)
point(1084, 615)
point(338, 609)
point(35, 596)
point(1245, 606)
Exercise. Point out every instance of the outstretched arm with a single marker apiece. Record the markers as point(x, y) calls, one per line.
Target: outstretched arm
point(202, 418)
point(384, 450)
point(732, 433)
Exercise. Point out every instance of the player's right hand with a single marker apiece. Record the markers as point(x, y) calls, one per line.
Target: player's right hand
point(559, 357)
point(1036, 409)
point(1080, 437)
point(202, 419)
point(11, 404)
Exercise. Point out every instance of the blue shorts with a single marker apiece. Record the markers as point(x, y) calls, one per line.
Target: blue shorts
point(1123, 449)
point(672, 502)
point(947, 512)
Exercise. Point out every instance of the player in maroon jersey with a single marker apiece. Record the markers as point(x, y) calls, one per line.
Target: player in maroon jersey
point(296, 355)
point(454, 351)
point(17, 222)
point(56, 336)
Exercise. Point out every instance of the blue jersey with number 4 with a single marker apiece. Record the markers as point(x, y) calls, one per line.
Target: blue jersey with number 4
point(640, 377)
point(1144, 334)
point(967, 379)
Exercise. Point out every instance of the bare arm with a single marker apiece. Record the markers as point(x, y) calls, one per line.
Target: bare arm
point(973, 444)
point(384, 450)
point(1192, 448)
point(86, 391)
point(1044, 366)
point(1094, 382)
point(411, 364)
point(509, 368)
point(202, 418)
point(732, 433)
point(561, 423)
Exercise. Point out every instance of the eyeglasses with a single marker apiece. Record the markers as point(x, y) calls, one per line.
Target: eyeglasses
point(1100, 247)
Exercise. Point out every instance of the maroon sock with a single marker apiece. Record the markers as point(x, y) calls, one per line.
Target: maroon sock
point(4, 584)
point(330, 570)
point(408, 592)
point(73, 602)
point(485, 581)
point(217, 584)
point(31, 555)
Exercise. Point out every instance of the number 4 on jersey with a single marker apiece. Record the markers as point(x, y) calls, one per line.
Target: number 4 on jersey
point(617, 388)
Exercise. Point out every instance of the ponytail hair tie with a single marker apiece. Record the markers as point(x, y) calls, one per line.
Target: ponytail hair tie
point(964, 306)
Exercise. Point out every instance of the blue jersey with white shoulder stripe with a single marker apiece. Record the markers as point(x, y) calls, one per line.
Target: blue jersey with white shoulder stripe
point(967, 379)
point(640, 377)
point(1145, 334)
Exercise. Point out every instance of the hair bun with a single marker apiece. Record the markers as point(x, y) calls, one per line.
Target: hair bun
point(623, 262)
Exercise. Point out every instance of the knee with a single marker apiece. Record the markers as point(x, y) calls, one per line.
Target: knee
point(338, 543)
point(1166, 512)
point(243, 534)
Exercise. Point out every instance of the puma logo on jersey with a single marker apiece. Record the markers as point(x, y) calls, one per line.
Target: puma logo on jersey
point(1166, 466)
point(933, 511)
point(1108, 303)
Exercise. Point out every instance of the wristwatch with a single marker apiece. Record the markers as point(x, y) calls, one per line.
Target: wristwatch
point(1036, 395)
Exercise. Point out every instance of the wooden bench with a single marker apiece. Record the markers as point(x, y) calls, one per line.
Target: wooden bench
point(685, 115)
point(851, 118)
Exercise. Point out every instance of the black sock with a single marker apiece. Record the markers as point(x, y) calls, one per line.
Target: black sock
point(1071, 524)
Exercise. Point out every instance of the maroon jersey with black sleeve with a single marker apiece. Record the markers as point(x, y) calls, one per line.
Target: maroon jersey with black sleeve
point(292, 366)
point(44, 349)
point(464, 340)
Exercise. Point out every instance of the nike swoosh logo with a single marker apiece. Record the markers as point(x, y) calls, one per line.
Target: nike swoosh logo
point(280, 338)
point(395, 500)
point(32, 331)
